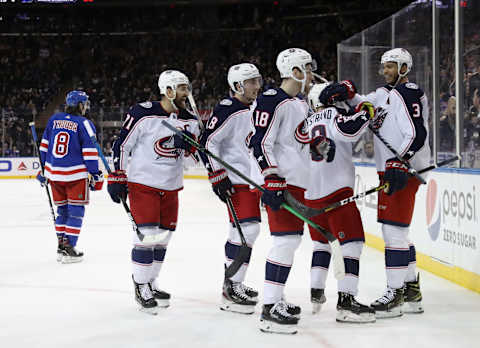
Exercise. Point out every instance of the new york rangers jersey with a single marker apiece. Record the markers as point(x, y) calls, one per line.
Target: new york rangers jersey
point(275, 149)
point(405, 127)
point(66, 149)
point(154, 161)
point(226, 135)
point(326, 178)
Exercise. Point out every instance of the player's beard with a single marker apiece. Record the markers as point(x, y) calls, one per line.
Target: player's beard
point(180, 103)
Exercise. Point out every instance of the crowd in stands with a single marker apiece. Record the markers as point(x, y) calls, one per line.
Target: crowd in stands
point(118, 63)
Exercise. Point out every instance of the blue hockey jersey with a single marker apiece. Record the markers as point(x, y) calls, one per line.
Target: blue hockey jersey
point(66, 150)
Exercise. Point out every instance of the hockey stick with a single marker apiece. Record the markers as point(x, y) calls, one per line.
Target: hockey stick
point(339, 266)
point(144, 238)
point(244, 249)
point(397, 155)
point(35, 140)
point(311, 212)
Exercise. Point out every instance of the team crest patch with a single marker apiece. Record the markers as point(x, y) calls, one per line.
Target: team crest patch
point(226, 102)
point(146, 105)
point(411, 85)
point(270, 92)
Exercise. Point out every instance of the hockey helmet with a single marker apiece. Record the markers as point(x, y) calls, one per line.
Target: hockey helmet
point(75, 97)
point(172, 79)
point(292, 58)
point(314, 95)
point(239, 73)
point(400, 56)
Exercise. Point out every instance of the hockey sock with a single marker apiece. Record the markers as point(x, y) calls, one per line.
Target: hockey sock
point(412, 264)
point(351, 256)
point(396, 255)
point(61, 221)
point(320, 262)
point(158, 257)
point(142, 260)
point(278, 265)
point(250, 231)
point(74, 223)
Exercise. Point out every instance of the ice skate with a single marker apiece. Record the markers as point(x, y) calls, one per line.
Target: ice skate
point(144, 297)
point(413, 297)
point(317, 297)
point(351, 311)
point(60, 249)
point(275, 318)
point(235, 298)
point(390, 304)
point(71, 254)
point(162, 297)
point(293, 309)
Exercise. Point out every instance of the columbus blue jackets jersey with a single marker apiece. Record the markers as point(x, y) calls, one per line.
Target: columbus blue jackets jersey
point(275, 149)
point(405, 127)
point(226, 135)
point(154, 161)
point(66, 149)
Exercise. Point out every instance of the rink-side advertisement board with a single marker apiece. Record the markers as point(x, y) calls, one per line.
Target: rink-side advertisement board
point(28, 167)
point(445, 227)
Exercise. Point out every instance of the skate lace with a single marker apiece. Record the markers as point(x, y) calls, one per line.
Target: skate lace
point(281, 308)
point(145, 291)
point(387, 297)
point(239, 290)
point(246, 288)
point(289, 305)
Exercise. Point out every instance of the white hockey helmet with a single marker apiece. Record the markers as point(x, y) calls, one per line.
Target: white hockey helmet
point(314, 95)
point(400, 56)
point(239, 73)
point(292, 58)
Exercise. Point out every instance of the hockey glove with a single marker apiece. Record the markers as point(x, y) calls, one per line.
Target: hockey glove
point(179, 142)
point(273, 195)
point(380, 115)
point(396, 175)
point(117, 185)
point(96, 181)
point(221, 184)
point(366, 106)
point(41, 179)
point(322, 148)
point(338, 92)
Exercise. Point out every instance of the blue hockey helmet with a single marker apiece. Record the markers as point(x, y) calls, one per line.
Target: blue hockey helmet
point(75, 97)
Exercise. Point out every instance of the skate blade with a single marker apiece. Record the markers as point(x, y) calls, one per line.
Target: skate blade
point(59, 257)
point(349, 317)
point(413, 307)
point(316, 307)
point(271, 327)
point(163, 303)
point(151, 311)
point(397, 312)
point(236, 308)
point(69, 259)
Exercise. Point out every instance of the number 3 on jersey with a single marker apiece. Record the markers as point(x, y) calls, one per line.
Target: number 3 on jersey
point(60, 144)
point(261, 118)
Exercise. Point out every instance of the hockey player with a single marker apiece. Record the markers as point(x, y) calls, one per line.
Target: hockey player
point(405, 128)
point(331, 180)
point(69, 156)
point(284, 166)
point(227, 131)
point(153, 178)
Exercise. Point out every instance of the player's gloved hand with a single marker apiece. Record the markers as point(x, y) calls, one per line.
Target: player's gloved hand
point(117, 185)
point(368, 107)
point(179, 142)
point(380, 115)
point(221, 184)
point(96, 181)
point(273, 196)
point(396, 175)
point(41, 179)
point(322, 148)
point(338, 92)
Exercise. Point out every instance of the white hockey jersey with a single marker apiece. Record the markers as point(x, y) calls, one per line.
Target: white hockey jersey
point(405, 127)
point(226, 135)
point(154, 161)
point(275, 149)
point(326, 178)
